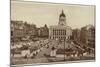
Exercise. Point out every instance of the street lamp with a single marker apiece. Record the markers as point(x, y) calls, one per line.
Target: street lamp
point(64, 47)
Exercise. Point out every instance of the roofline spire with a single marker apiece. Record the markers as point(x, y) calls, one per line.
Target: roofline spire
point(62, 11)
point(62, 14)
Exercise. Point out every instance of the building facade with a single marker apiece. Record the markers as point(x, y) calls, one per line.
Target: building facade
point(22, 30)
point(43, 31)
point(76, 35)
point(88, 35)
point(60, 31)
point(17, 31)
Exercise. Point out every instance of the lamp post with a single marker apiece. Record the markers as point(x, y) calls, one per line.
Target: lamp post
point(64, 47)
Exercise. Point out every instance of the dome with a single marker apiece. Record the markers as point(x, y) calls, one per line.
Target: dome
point(62, 14)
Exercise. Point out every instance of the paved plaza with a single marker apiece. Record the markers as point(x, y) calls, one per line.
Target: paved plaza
point(43, 53)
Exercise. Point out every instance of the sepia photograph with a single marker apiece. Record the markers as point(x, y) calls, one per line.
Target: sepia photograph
point(49, 33)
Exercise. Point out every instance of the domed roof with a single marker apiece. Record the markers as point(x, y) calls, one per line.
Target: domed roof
point(62, 14)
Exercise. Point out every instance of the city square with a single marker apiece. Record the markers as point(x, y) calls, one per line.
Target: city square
point(50, 43)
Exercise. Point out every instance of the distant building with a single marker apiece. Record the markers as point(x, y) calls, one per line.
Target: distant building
point(30, 29)
point(88, 35)
point(60, 31)
point(16, 25)
point(20, 30)
point(43, 31)
point(17, 30)
point(76, 35)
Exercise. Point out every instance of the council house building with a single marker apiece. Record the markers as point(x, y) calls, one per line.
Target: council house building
point(60, 31)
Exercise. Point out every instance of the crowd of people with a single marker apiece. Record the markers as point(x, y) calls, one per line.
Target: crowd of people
point(28, 49)
point(31, 49)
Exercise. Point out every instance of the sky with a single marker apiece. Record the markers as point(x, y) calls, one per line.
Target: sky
point(48, 13)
